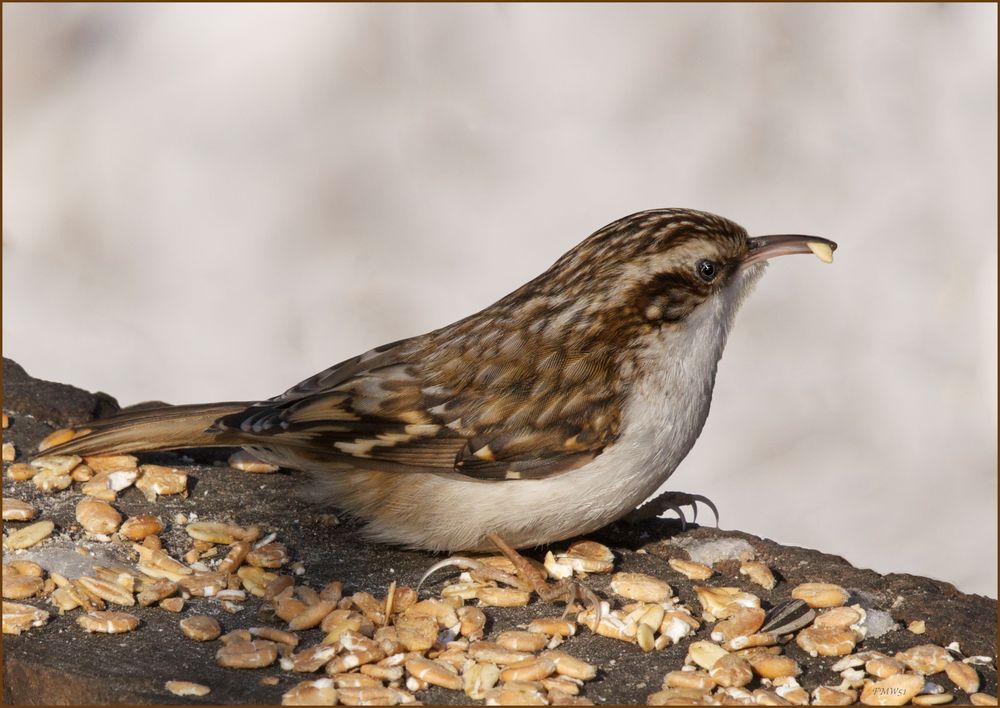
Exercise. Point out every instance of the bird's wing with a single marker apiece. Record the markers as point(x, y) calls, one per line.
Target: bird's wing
point(377, 411)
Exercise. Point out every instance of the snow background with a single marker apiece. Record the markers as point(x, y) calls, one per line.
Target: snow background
point(207, 202)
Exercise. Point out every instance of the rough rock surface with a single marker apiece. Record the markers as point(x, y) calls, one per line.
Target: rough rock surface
point(56, 404)
point(59, 663)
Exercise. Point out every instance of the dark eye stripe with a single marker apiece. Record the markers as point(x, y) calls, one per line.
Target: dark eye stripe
point(670, 296)
point(684, 281)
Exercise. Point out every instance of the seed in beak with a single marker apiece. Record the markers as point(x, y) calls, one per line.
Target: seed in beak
point(822, 251)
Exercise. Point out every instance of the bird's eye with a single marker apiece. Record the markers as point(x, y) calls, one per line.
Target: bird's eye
point(707, 270)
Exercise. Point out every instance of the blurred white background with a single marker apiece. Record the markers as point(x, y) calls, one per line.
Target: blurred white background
point(213, 202)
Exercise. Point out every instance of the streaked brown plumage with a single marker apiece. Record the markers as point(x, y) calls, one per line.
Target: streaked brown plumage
point(535, 387)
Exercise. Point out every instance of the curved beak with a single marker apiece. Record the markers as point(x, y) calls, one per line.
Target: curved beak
point(764, 247)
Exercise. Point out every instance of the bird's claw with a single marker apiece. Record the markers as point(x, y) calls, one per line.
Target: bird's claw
point(480, 570)
point(673, 501)
point(453, 562)
point(693, 503)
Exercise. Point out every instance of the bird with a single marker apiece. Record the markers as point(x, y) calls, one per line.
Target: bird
point(547, 415)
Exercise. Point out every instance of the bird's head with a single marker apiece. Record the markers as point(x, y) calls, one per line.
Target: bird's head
point(657, 268)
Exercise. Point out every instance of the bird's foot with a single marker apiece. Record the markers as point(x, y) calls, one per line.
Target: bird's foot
point(527, 577)
point(672, 501)
point(568, 590)
point(481, 571)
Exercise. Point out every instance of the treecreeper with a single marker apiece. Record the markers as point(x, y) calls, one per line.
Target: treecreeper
point(549, 414)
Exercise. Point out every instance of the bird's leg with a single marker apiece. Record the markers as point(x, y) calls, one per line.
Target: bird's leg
point(524, 569)
point(672, 501)
point(527, 577)
point(568, 589)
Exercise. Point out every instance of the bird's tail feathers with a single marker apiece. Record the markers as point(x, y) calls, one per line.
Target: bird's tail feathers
point(150, 429)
